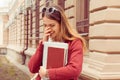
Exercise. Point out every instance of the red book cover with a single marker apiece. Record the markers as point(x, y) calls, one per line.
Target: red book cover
point(55, 54)
point(55, 57)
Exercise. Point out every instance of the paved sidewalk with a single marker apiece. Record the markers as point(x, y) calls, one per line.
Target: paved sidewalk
point(8, 71)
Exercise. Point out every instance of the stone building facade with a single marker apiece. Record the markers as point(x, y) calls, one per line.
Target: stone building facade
point(98, 21)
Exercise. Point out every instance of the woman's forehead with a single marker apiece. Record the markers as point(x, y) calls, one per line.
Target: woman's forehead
point(47, 20)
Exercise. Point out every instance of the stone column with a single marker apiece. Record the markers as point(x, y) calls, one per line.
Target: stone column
point(103, 62)
point(5, 19)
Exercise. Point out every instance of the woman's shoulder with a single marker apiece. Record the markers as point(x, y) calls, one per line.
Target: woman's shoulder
point(75, 44)
point(75, 41)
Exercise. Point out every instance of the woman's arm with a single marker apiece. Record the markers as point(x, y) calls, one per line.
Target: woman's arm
point(74, 66)
point(36, 60)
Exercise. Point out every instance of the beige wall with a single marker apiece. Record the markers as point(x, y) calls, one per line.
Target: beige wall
point(1, 32)
point(3, 21)
point(104, 57)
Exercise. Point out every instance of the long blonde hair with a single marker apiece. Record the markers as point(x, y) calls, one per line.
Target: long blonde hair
point(67, 32)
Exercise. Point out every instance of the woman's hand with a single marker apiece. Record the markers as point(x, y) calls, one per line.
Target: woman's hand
point(43, 72)
point(47, 33)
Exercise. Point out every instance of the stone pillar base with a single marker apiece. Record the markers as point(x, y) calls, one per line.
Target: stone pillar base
point(101, 66)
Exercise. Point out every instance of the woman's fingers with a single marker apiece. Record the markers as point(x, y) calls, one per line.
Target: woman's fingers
point(47, 33)
point(42, 71)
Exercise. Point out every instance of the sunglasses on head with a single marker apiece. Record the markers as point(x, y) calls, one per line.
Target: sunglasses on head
point(49, 10)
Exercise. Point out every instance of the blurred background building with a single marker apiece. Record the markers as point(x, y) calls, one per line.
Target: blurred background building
point(98, 21)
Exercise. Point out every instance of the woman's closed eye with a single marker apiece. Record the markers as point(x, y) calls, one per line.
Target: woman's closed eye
point(44, 25)
point(51, 25)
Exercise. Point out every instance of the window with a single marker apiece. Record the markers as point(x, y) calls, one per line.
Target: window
point(82, 20)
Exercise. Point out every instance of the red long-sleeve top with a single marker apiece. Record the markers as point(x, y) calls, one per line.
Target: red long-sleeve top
point(69, 72)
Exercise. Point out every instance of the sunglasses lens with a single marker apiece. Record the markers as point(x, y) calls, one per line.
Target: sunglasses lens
point(51, 10)
point(44, 9)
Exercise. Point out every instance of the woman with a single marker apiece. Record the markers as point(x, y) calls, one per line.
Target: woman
point(57, 27)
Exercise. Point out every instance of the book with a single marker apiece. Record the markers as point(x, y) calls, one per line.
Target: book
point(55, 54)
